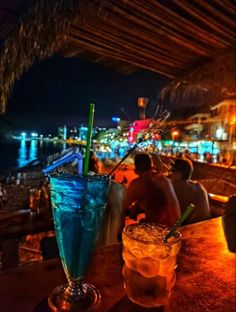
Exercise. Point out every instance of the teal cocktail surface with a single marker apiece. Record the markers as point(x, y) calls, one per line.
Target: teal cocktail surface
point(78, 204)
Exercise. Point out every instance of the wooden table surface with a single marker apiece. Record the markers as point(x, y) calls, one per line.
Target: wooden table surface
point(206, 277)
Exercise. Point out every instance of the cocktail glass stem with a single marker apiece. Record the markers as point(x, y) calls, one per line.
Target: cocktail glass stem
point(75, 288)
point(76, 296)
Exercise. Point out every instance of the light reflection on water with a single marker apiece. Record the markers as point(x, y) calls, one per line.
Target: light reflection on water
point(32, 150)
point(22, 154)
point(19, 153)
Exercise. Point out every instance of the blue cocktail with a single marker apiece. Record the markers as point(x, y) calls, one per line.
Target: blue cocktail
point(78, 204)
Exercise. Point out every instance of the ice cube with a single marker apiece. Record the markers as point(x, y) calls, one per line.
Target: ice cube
point(148, 267)
point(130, 260)
point(136, 251)
point(162, 251)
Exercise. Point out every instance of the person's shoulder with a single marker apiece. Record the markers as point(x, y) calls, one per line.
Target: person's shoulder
point(136, 184)
point(196, 185)
point(194, 182)
point(161, 178)
point(135, 181)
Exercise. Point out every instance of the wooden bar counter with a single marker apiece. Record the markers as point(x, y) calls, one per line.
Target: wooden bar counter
point(206, 277)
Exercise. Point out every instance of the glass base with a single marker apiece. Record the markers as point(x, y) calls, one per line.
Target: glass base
point(62, 299)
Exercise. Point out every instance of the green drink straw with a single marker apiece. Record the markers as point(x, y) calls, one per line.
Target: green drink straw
point(89, 138)
point(179, 222)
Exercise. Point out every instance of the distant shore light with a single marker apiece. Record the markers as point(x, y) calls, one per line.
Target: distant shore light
point(116, 119)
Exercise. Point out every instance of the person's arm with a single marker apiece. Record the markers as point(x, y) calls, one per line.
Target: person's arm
point(200, 200)
point(132, 193)
point(204, 201)
point(173, 198)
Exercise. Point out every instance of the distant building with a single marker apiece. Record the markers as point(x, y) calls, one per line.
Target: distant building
point(62, 132)
point(198, 129)
point(73, 133)
point(223, 117)
point(83, 131)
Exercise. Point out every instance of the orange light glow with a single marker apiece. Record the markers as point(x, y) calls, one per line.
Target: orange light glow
point(142, 102)
point(220, 198)
point(175, 133)
point(233, 120)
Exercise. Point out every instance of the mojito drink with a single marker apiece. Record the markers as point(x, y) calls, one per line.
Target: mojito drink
point(78, 204)
point(149, 270)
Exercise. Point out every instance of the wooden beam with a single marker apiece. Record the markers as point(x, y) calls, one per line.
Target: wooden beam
point(228, 6)
point(182, 23)
point(205, 19)
point(125, 45)
point(103, 50)
point(219, 15)
point(156, 28)
point(109, 47)
point(140, 37)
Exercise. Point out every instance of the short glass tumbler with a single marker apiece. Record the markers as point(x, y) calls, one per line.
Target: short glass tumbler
point(150, 262)
point(78, 204)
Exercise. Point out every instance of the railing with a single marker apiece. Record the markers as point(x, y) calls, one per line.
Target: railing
point(217, 204)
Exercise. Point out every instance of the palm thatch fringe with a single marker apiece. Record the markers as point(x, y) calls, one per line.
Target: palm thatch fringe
point(215, 80)
point(39, 33)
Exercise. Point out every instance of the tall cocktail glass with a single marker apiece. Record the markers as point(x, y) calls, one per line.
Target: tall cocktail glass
point(150, 262)
point(78, 204)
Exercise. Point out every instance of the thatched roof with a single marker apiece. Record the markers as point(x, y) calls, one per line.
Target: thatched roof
point(192, 43)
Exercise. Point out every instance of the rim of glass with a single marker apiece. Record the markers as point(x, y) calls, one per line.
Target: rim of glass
point(80, 176)
point(177, 235)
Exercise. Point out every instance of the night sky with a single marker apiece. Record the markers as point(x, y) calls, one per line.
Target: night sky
point(58, 91)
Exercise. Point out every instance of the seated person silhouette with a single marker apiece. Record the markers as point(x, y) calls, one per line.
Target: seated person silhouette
point(189, 191)
point(153, 192)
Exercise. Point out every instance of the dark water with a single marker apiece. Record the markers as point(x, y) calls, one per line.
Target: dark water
point(19, 153)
